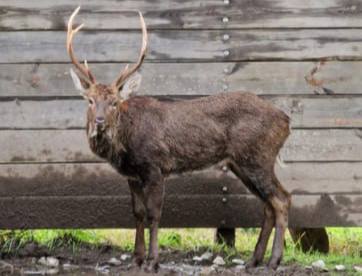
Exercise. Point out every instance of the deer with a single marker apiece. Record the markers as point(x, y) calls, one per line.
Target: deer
point(147, 139)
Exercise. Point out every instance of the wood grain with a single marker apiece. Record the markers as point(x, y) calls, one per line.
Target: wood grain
point(71, 146)
point(325, 112)
point(267, 78)
point(49, 80)
point(175, 45)
point(188, 14)
point(82, 179)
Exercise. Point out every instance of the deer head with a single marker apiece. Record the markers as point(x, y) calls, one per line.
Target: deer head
point(103, 99)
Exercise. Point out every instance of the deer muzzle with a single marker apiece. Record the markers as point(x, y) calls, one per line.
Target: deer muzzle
point(99, 120)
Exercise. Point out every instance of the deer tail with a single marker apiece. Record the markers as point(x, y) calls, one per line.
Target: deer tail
point(280, 162)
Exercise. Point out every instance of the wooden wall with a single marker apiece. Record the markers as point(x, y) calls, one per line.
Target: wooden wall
point(48, 176)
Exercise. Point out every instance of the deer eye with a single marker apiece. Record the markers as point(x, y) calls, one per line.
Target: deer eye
point(91, 102)
point(114, 104)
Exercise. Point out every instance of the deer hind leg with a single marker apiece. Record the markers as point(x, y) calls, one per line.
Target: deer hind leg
point(154, 191)
point(280, 200)
point(262, 182)
point(139, 212)
point(264, 236)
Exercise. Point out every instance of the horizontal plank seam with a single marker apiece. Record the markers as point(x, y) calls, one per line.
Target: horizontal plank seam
point(209, 60)
point(151, 29)
point(178, 196)
point(9, 98)
point(102, 162)
point(82, 128)
point(153, 62)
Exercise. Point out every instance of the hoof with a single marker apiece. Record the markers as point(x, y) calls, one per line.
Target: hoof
point(152, 266)
point(137, 262)
point(252, 263)
point(273, 264)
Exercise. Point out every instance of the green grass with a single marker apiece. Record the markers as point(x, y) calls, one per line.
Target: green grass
point(345, 243)
point(11, 241)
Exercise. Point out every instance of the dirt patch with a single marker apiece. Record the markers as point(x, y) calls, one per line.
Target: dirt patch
point(86, 260)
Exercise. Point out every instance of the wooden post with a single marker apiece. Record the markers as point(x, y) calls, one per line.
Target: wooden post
point(225, 236)
point(311, 239)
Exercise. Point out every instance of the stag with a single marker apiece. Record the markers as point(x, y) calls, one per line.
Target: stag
point(146, 140)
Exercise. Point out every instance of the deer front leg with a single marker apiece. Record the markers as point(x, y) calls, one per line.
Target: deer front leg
point(139, 212)
point(154, 191)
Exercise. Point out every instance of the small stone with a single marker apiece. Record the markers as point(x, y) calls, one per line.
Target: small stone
point(52, 271)
point(358, 268)
point(240, 267)
point(197, 259)
point(102, 269)
point(49, 261)
point(282, 269)
point(125, 257)
point(219, 261)
point(70, 267)
point(206, 256)
point(238, 261)
point(319, 265)
point(340, 268)
point(114, 261)
point(206, 270)
point(34, 272)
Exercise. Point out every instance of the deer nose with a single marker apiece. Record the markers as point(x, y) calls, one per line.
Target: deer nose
point(99, 120)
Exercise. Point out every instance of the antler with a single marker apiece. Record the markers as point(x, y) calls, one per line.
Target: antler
point(84, 70)
point(126, 72)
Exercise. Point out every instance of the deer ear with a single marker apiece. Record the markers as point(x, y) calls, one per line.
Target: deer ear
point(79, 83)
point(132, 85)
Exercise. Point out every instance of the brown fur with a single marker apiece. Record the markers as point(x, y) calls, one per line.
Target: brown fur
point(146, 140)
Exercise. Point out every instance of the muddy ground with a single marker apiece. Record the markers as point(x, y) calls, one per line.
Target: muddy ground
point(90, 261)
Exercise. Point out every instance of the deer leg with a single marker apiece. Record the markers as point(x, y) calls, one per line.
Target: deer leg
point(259, 180)
point(154, 191)
point(264, 236)
point(280, 202)
point(139, 212)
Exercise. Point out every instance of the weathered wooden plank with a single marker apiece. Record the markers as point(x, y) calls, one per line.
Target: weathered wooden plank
point(63, 114)
point(112, 14)
point(243, 45)
point(321, 112)
point(323, 145)
point(289, 77)
point(100, 180)
point(188, 78)
point(293, 14)
point(38, 80)
point(71, 146)
point(179, 211)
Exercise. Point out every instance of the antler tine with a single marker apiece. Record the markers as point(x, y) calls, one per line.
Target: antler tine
point(126, 72)
point(70, 34)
